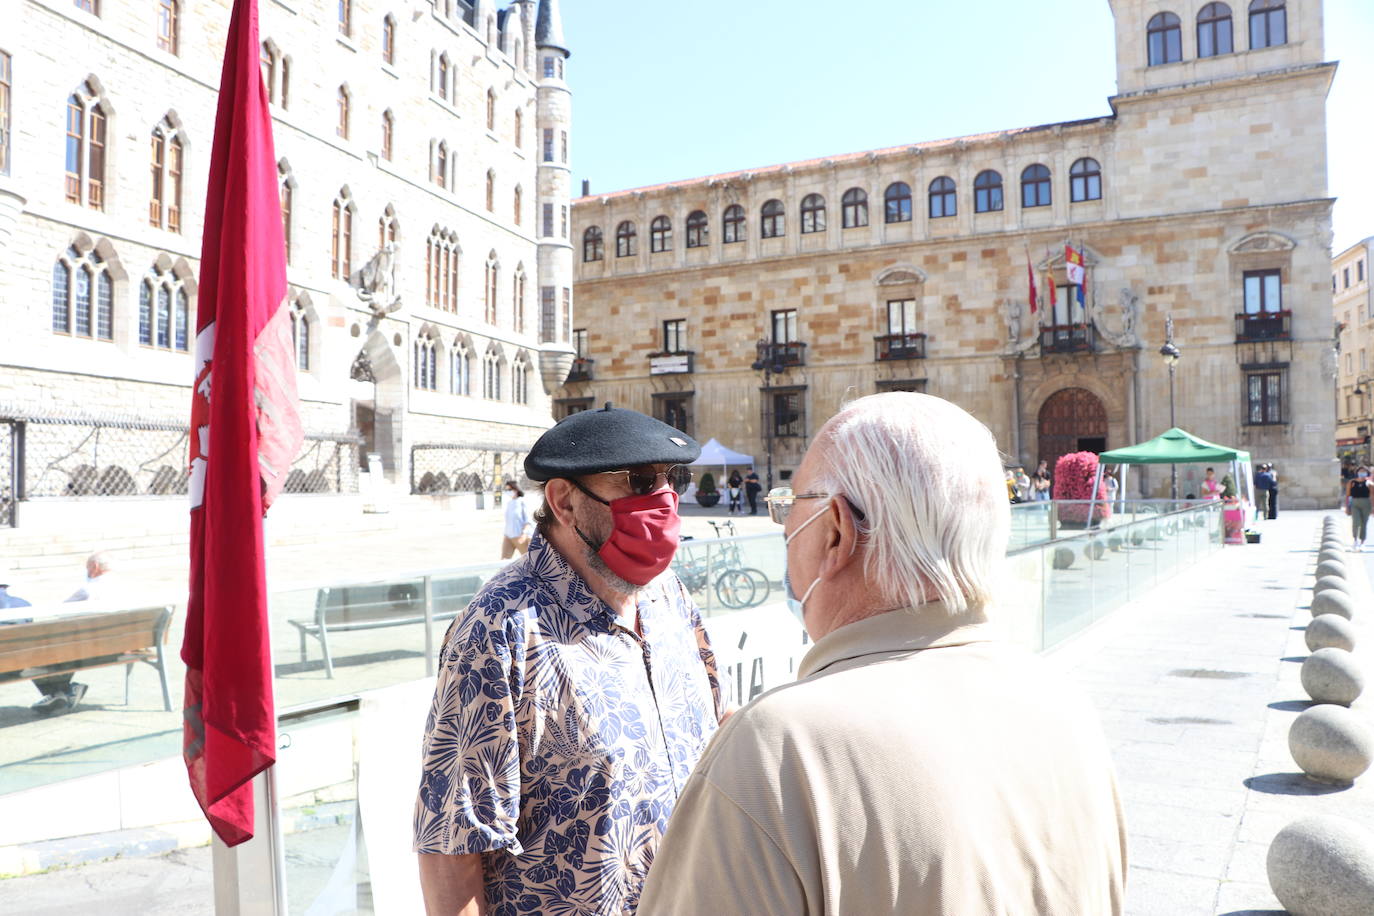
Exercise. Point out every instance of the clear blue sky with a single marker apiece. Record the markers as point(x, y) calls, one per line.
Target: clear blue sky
point(666, 91)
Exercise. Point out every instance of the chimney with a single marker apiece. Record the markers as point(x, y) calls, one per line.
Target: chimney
point(586, 187)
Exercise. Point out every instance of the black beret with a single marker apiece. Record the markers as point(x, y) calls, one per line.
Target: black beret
point(604, 440)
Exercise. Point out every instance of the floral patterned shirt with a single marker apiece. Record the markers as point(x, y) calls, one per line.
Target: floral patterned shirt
point(559, 739)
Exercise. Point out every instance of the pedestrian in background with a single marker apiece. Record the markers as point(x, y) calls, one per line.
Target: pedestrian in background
point(1357, 507)
point(1261, 492)
point(1041, 481)
point(733, 487)
point(751, 490)
point(1211, 487)
point(515, 537)
point(1272, 481)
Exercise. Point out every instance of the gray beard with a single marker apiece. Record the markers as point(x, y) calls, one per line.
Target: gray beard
point(599, 566)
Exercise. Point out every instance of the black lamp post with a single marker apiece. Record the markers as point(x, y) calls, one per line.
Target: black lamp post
point(769, 362)
point(1171, 355)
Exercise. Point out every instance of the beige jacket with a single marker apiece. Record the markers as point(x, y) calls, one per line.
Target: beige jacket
point(918, 765)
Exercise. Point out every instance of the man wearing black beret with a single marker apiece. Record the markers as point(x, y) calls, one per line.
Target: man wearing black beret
point(575, 693)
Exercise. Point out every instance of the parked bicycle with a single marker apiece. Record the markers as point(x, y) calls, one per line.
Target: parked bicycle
point(737, 586)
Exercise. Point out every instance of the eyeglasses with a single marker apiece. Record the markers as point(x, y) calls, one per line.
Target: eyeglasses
point(780, 500)
point(645, 480)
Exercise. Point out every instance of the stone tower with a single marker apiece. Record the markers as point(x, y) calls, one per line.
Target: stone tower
point(555, 185)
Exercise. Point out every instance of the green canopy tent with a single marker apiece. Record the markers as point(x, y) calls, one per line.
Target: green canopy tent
point(1178, 446)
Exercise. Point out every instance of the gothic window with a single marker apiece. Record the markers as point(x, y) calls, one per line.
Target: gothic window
point(517, 204)
point(82, 295)
point(1085, 180)
point(697, 229)
point(897, 203)
point(441, 270)
point(426, 362)
point(1035, 186)
point(388, 39)
point(520, 379)
point(460, 369)
point(268, 59)
point(168, 26)
point(287, 184)
point(1268, 24)
point(519, 129)
point(388, 134)
point(491, 375)
point(164, 311)
point(489, 288)
point(344, 104)
point(285, 81)
point(167, 165)
point(491, 191)
point(345, 17)
point(1214, 30)
point(441, 164)
point(388, 227)
point(85, 151)
point(625, 240)
point(442, 76)
point(942, 199)
point(660, 235)
point(732, 224)
point(1164, 39)
point(491, 109)
point(772, 220)
point(812, 213)
point(6, 78)
point(987, 192)
point(300, 335)
point(341, 237)
point(518, 298)
point(854, 208)
point(593, 244)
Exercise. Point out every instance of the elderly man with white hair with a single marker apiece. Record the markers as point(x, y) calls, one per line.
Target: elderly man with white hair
point(920, 763)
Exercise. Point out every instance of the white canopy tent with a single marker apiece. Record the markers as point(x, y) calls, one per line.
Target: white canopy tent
point(713, 454)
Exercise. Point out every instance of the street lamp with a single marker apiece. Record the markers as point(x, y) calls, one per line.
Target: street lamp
point(1171, 355)
point(769, 362)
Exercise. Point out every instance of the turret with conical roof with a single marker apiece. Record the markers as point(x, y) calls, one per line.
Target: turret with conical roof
point(555, 198)
point(548, 31)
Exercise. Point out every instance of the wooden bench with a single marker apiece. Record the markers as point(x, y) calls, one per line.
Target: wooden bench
point(382, 604)
point(71, 643)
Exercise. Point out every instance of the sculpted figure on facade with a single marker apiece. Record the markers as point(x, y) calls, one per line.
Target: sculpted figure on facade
point(1015, 316)
point(1125, 336)
point(378, 281)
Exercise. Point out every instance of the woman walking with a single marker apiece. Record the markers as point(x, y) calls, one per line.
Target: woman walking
point(1357, 507)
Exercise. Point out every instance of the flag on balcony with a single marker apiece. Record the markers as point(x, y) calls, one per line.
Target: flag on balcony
point(1075, 270)
point(245, 393)
point(1030, 283)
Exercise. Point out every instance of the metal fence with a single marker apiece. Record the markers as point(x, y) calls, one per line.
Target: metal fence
point(105, 457)
point(447, 467)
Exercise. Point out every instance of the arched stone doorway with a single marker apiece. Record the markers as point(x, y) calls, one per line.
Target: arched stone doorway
point(1072, 420)
point(378, 389)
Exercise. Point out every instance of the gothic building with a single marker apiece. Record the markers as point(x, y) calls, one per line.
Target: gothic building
point(423, 160)
point(749, 306)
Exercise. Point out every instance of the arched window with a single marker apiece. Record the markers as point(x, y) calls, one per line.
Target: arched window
point(441, 164)
point(1164, 38)
point(164, 311)
point(1035, 186)
point(460, 369)
point(168, 26)
point(82, 295)
point(388, 39)
point(388, 133)
point(942, 200)
point(167, 165)
point(1085, 180)
point(87, 123)
point(345, 17)
point(344, 104)
point(1214, 30)
point(426, 361)
point(625, 240)
point(519, 129)
point(987, 192)
point(660, 235)
point(341, 237)
point(287, 185)
point(897, 203)
point(1268, 24)
point(813, 213)
point(518, 298)
point(285, 81)
point(491, 109)
point(520, 379)
point(300, 334)
point(772, 220)
point(491, 375)
point(489, 284)
point(388, 227)
point(441, 270)
point(517, 204)
point(491, 190)
point(854, 208)
point(441, 76)
point(268, 60)
point(733, 224)
point(697, 229)
point(593, 244)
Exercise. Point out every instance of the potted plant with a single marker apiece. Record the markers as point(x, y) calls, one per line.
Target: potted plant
point(707, 494)
point(1073, 479)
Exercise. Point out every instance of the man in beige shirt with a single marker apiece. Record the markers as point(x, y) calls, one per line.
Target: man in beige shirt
point(920, 764)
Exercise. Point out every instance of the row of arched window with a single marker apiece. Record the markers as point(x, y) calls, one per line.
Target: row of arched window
point(167, 26)
point(84, 299)
point(1268, 27)
point(1085, 183)
point(429, 352)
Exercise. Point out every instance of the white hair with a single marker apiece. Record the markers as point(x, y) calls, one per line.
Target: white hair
point(928, 478)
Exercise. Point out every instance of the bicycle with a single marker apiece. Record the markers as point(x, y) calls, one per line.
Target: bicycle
point(737, 586)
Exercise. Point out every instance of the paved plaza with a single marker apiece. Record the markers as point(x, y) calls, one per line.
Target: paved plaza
point(1197, 684)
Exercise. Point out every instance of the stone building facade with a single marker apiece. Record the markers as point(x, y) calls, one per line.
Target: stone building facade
point(423, 160)
point(1353, 310)
point(749, 306)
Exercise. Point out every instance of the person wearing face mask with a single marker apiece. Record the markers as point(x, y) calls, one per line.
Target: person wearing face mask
point(1357, 507)
point(920, 763)
point(519, 526)
point(575, 693)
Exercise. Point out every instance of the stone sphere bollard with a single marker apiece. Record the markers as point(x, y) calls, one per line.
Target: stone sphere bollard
point(1323, 866)
point(1327, 580)
point(1332, 675)
point(1330, 631)
point(1331, 744)
point(1332, 601)
point(1115, 542)
point(1332, 567)
point(1332, 551)
point(1137, 537)
point(1063, 558)
point(1094, 550)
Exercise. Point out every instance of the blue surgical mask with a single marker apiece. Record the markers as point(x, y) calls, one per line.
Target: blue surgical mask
point(794, 604)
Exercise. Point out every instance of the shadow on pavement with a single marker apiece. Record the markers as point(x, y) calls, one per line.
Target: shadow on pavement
point(346, 661)
point(1294, 658)
point(1255, 913)
point(1289, 784)
point(1291, 705)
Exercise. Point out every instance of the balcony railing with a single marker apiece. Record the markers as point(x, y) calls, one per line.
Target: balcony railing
point(899, 346)
point(1066, 338)
point(792, 353)
point(581, 370)
point(1264, 326)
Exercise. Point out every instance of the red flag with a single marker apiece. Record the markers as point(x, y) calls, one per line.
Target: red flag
point(1054, 296)
point(1030, 282)
point(245, 429)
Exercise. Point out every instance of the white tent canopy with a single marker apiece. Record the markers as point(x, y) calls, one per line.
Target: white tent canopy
point(713, 453)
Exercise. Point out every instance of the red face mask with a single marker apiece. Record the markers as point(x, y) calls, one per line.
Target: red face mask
point(644, 535)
